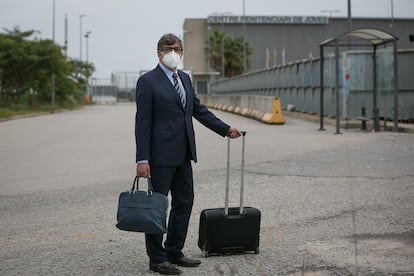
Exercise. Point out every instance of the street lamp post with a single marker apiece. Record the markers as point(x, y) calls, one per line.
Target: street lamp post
point(80, 34)
point(87, 45)
point(222, 15)
point(244, 38)
point(87, 62)
point(349, 22)
point(349, 16)
point(66, 35)
point(53, 23)
point(53, 39)
point(222, 48)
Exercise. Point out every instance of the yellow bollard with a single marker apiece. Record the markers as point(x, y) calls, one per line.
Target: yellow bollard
point(276, 117)
point(87, 99)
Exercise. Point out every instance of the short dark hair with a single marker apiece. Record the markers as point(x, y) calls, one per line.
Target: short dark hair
point(168, 39)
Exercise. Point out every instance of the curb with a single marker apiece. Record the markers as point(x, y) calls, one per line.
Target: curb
point(350, 124)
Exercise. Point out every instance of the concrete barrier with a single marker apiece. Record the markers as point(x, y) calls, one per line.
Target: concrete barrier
point(263, 108)
point(104, 99)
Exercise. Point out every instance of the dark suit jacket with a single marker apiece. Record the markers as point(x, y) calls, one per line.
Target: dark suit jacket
point(164, 130)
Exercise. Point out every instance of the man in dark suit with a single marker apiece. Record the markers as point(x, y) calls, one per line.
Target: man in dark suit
point(165, 146)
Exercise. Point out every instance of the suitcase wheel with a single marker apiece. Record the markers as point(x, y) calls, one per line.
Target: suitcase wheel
point(206, 253)
point(256, 251)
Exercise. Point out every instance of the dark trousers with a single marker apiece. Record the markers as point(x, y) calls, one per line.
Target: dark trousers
point(179, 182)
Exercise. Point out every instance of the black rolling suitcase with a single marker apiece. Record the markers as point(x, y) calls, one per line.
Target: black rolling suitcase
point(230, 230)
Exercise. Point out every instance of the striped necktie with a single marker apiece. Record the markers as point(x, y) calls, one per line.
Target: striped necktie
point(177, 87)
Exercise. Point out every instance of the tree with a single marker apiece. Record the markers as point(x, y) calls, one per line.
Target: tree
point(231, 49)
point(27, 66)
point(16, 62)
point(81, 71)
point(215, 50)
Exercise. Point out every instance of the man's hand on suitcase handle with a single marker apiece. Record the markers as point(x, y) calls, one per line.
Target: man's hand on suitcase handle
point(235, 133)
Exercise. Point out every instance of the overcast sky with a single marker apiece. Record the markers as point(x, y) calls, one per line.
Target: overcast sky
point(124, 33)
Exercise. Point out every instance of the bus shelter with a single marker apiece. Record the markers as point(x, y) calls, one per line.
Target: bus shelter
point(362, 37)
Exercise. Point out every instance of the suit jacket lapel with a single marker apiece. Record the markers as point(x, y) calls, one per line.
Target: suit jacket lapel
point(163, 78)
point(168, 85)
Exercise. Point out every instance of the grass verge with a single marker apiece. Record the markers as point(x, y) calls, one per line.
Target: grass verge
point(18, 111)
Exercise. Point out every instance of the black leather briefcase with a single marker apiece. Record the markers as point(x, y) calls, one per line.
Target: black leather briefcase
point(142, 211)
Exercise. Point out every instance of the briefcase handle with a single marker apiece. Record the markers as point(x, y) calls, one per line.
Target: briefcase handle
point(135, 186)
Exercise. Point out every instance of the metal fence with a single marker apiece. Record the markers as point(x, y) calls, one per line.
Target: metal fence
point(120, 87)
point(125, 83)
point(104, 94)
point(297, 84)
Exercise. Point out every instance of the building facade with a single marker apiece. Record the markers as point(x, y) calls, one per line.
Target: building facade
point(276, 40)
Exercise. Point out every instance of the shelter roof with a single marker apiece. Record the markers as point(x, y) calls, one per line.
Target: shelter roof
point(368, 36)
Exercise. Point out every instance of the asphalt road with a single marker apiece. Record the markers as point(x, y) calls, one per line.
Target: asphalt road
point(331, 204)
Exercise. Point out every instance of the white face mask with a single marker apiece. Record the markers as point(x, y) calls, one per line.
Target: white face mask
point(171, 59)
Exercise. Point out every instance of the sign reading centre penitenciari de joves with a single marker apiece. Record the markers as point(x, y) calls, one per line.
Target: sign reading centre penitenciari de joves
point(239, 19)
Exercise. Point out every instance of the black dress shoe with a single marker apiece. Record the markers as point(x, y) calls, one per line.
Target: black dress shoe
point(165, 268)
point(184, 261)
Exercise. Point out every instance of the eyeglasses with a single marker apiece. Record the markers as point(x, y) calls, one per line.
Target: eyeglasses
point(169, 49)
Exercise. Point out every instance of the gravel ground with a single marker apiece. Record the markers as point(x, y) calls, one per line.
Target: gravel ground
point(328, 208)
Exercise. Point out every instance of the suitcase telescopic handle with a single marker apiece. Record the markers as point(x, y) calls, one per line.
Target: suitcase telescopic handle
point(242, 174)
point(226, 202)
